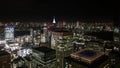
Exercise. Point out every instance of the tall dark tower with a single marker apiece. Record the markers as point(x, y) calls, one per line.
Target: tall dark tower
point(117, 29)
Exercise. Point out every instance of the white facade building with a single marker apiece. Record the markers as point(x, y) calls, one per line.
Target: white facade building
point(9, 33)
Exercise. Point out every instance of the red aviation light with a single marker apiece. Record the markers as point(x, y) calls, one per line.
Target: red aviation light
point(62, 24)
point(48, 26)
point(62, 33)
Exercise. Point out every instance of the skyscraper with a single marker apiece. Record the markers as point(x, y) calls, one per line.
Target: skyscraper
point(9, 33)
point(54, 21)
point(54, 24)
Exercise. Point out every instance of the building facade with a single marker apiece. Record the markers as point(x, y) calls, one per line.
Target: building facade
point(9, 33)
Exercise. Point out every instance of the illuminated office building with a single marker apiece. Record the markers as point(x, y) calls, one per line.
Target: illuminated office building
point(9, 33)
point(43, 34)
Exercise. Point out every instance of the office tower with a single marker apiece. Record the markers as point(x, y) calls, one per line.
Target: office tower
point(9, 33)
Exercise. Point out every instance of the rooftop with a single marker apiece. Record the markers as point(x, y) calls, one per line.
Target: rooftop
point(44, 49)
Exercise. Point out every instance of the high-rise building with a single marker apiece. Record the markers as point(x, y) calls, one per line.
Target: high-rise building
point(54, 21)
point(116, 38)
point(43, 57)
point(9, 33)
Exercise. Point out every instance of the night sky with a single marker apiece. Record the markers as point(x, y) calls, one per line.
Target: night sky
point(33, 9)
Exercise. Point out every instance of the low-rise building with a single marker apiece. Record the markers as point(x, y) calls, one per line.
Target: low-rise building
point(5, 59)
